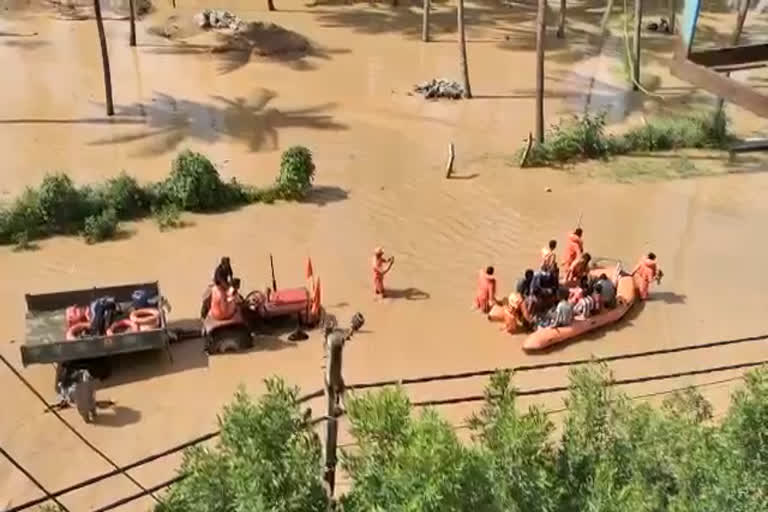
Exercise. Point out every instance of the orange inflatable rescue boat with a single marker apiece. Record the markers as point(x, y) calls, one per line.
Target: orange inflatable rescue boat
point(626, 295)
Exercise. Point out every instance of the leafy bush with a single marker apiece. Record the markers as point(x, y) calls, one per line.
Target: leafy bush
point(59, 207)
point(297, 171)
point(126, 197)
point(100, 227)
point(584, 137)
point(267, 458)
point(194, 184)
point(168, 217)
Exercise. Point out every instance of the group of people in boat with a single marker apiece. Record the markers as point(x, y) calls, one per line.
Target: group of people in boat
point(549, 297)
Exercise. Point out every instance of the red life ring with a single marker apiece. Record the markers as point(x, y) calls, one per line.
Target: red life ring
point(121, 326)
point(76, 331)
point(146, 317)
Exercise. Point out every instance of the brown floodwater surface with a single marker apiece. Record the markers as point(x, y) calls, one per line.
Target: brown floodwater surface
point(380, 156)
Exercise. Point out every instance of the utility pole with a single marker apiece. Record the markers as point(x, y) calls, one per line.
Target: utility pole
point(636, 44)
point(425, 22)
point(540, 33)
point(334, 388)
point(132, 6)
point(104, 58)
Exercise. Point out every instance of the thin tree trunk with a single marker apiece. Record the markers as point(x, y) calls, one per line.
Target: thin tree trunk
point(741, 17)
point(425, 22)
point(561, 25)
point(395, 3)
point(540, 32)
point(672, 16)
point(131, 5)
point(636, 44)
point(463, 49)
point(606, 17)
point(104, 58)
point(271, 5)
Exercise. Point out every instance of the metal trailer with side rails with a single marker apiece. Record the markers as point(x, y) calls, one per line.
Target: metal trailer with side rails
point(46, 328)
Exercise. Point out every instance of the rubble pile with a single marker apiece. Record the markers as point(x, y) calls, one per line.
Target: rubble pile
point(440, 88)
point(218, 19)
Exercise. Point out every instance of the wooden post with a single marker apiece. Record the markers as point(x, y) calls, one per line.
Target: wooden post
point(540, 33)
point(463, 49)
point(425, 22)
point(672, 16)
point(561, 25)
point(334, 389)
point(271, 5)
point(131, 5)
point(104, 58)
point(636, 44)
point(741, 17)
point(449, 164)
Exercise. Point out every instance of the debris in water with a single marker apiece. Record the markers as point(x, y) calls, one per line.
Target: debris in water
point(218, 18)
point(548, 189)
point(440, 88)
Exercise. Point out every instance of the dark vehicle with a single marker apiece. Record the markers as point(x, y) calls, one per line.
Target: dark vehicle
point(47, 339)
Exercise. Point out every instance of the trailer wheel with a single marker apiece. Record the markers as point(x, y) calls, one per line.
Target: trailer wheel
point(231, 339)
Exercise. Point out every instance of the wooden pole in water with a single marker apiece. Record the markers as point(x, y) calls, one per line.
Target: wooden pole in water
point(271, 5)
point(672, 16)
point(104, 58)
point(463, 49)
point(741, 18)
point(425, 21)
point(636, 44)
point(561, 25)
point(449, 164)
point(540, 33)
point(131, 5)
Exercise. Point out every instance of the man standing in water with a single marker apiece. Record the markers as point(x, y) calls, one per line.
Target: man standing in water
point(573, 248)
point(381, 266)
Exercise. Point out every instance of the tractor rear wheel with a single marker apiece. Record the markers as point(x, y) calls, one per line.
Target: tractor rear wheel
point(231, 339)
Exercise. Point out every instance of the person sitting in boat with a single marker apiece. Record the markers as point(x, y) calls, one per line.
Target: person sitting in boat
point(523, 287)
point(223, 275)
point(548, 256)
point(574, 248)
point(485, 297)
point(562, 315)
point(607, 291)
point(543, 284)
point(578, 269)
point(645, 272)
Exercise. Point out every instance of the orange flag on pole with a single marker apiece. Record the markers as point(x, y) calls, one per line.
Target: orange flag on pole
point(310, 271)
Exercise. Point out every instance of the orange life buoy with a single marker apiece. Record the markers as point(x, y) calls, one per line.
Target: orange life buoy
point(121, 326)
point(148, 317)
point(75, 332)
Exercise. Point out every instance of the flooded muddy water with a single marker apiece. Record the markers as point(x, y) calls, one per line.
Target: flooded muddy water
point(380, 156)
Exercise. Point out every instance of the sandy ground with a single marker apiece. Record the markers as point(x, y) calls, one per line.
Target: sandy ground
point(380, 154)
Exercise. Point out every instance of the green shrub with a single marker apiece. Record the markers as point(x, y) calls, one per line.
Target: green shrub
point(100, 227)
point(59, 207)
point(194, 184)
point(297, 171)
point(268, 459)
point(60, 204)
point(168, 217)
point(126, 197)
point(584, 137)
point(22, 242)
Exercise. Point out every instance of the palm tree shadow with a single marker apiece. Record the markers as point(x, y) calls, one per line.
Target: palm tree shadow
point(170, 122)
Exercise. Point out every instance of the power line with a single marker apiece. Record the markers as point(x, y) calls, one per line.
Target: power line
point(34, 480)
point(71, 428)
point(139, 462)
point(556, 364)
point(621, 382)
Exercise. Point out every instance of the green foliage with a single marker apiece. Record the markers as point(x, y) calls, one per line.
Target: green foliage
point(168, 216)
point(60, 207)
point(267, 459)
point(584, 137)
point(101, 226)
point(297, 171)
point(413, 464)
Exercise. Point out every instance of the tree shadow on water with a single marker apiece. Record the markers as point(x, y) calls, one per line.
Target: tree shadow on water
point(169, 122)
point(321, 195)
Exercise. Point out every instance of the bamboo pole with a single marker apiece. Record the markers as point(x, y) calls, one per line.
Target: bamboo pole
point(540, 33)
point(636, 44)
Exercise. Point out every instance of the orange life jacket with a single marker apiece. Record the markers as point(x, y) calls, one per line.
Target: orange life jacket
point(573, 249)
point(486, 290)
point(223, 306)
